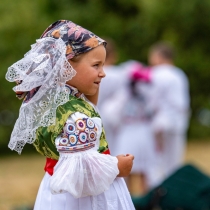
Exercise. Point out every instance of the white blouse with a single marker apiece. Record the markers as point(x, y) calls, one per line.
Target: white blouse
point(81, 170)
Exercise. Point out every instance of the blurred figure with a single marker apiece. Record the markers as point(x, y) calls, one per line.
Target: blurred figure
point(122, 108)
point(130, 119)
point(116, 78)
point(171, 101)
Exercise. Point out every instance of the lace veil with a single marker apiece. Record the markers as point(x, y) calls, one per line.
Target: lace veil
point(44, 66)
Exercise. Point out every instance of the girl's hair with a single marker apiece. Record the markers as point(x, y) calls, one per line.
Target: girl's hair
point(77, 58)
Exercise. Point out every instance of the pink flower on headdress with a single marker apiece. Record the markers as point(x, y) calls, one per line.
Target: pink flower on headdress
point(78, 30)
point(71, 25)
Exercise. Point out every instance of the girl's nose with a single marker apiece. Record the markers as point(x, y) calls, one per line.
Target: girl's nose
point(102, 73)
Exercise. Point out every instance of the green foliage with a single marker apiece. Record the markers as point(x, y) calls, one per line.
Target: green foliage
point(134, 24)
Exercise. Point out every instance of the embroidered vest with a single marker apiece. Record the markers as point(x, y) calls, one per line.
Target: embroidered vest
point(45, 136)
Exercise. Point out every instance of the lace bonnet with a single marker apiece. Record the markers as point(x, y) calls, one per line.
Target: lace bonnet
point(41, 76)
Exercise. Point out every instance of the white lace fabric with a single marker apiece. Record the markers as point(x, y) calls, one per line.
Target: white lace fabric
point(44, 66)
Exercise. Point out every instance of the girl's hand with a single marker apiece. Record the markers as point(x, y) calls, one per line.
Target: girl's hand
point(125, 163)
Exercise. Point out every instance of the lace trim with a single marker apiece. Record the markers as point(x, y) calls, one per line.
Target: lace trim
point(44, 65)
point(75, 92)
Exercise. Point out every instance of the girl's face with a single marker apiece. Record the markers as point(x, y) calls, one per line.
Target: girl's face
point(89, 70)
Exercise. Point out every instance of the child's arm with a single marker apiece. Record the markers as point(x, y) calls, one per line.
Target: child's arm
point(93, 98)
point(125, 163)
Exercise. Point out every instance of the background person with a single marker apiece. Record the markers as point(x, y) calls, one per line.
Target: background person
point(128, 113)
point(170, 99)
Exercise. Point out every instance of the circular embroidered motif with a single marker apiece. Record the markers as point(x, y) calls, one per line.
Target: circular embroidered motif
point(70, 128)
point(92, 135)
point(63, 141)
point(72, 139)
point(90, 123)
point(68, 89)
point(80, 125)
point(83, 137)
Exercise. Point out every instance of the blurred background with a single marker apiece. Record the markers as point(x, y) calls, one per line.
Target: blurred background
point(134, 25)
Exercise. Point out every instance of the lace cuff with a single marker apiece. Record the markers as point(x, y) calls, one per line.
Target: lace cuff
point(83, 174)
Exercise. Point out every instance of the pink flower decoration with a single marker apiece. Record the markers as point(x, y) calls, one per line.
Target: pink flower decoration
point(140, 72)
point(78, 30)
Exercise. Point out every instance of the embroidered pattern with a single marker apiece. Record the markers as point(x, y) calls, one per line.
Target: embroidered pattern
point(45, 136)
point(77, 137)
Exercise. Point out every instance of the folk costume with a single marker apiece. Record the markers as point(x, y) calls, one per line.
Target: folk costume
point(132, 125)
point(64, 126)
point(169, 99)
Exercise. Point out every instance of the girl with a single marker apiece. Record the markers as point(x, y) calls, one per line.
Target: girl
point(59, 79)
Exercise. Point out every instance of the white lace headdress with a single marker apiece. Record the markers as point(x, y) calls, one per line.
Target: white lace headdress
point(44, 71)
point(44, 66)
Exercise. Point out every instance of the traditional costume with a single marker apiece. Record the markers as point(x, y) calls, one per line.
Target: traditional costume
point(127, 112)
point(169, 99)
point(64, 126)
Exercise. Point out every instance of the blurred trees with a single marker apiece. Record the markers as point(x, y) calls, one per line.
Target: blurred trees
point(134, 24)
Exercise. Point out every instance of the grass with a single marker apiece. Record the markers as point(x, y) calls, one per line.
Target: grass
point(20, 176)
point(19, 180)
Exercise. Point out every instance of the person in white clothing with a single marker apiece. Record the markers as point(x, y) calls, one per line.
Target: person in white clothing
point(169, 97)
point(128, 114)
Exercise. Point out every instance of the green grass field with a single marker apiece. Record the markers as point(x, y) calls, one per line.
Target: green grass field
point(20, 176)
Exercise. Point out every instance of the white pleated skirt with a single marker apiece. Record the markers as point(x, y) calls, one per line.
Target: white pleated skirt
point(116, 197)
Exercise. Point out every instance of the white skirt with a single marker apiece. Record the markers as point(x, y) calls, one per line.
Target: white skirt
point(136, 139)
point(116, 197)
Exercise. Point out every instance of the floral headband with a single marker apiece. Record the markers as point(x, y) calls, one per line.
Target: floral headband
point(77, 39)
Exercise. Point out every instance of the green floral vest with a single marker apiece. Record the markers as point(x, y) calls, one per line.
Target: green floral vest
point(45, 136)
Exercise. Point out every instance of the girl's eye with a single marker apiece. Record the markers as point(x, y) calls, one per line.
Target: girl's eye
point(96, 65)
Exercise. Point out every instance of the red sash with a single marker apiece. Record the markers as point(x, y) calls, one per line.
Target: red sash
point(50, 163)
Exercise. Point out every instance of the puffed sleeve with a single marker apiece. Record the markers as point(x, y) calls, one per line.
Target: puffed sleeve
point(81, 170)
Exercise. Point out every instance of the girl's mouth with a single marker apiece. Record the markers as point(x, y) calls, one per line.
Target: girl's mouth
point(97, 83)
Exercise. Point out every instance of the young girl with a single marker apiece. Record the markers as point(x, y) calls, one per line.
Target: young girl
point(59, 79)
